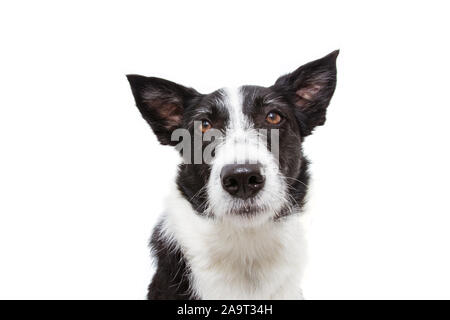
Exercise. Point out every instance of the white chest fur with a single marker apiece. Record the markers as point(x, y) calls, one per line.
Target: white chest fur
point(228, 261)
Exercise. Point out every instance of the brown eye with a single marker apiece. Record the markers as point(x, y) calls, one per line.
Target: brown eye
point(273, 117)
point(206, 125)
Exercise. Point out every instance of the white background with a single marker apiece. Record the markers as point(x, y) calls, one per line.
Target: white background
point(82, 177)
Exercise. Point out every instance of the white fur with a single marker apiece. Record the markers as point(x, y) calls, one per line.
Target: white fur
point(232, 262)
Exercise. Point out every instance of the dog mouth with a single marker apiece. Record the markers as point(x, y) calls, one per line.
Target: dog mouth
point(247, 208)
point(245, 211)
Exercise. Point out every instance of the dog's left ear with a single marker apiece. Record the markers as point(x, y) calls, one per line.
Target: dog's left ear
point(162, 103)
point(310, 89)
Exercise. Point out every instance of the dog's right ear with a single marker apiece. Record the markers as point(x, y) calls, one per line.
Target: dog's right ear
point(161, 104)
point(310, 89)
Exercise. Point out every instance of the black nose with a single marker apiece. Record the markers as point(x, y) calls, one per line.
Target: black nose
point(242, 180)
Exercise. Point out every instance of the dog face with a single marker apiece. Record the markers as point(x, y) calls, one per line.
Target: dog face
point(242, 147)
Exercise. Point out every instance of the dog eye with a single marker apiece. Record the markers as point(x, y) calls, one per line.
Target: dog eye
point(273, 117)
point(206, 125)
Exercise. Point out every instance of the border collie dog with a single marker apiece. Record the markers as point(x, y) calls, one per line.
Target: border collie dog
point(232, 225)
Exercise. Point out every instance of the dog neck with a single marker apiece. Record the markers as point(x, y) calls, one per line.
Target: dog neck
point(230, 259)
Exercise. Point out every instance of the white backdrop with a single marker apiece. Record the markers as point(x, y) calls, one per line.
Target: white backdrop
point(82, 178)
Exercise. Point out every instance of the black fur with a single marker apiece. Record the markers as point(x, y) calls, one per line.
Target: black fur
point(301, 98)
point(171, 280)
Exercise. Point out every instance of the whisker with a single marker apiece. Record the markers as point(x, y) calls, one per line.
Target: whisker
point(296, 181)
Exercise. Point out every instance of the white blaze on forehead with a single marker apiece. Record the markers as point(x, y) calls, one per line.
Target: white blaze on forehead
point(241, 141)
point(233, 101)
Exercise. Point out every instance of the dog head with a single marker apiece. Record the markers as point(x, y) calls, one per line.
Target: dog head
point(242, 147)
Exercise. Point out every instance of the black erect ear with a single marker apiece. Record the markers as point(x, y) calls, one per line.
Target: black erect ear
point(161, 103)
point(310, 89)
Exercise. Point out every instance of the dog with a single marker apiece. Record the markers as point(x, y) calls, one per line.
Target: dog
point(232, 225)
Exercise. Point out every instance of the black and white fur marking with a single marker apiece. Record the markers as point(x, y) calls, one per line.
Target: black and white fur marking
point(209, 243)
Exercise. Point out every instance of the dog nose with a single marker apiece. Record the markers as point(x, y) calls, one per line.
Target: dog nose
point(242, 180)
